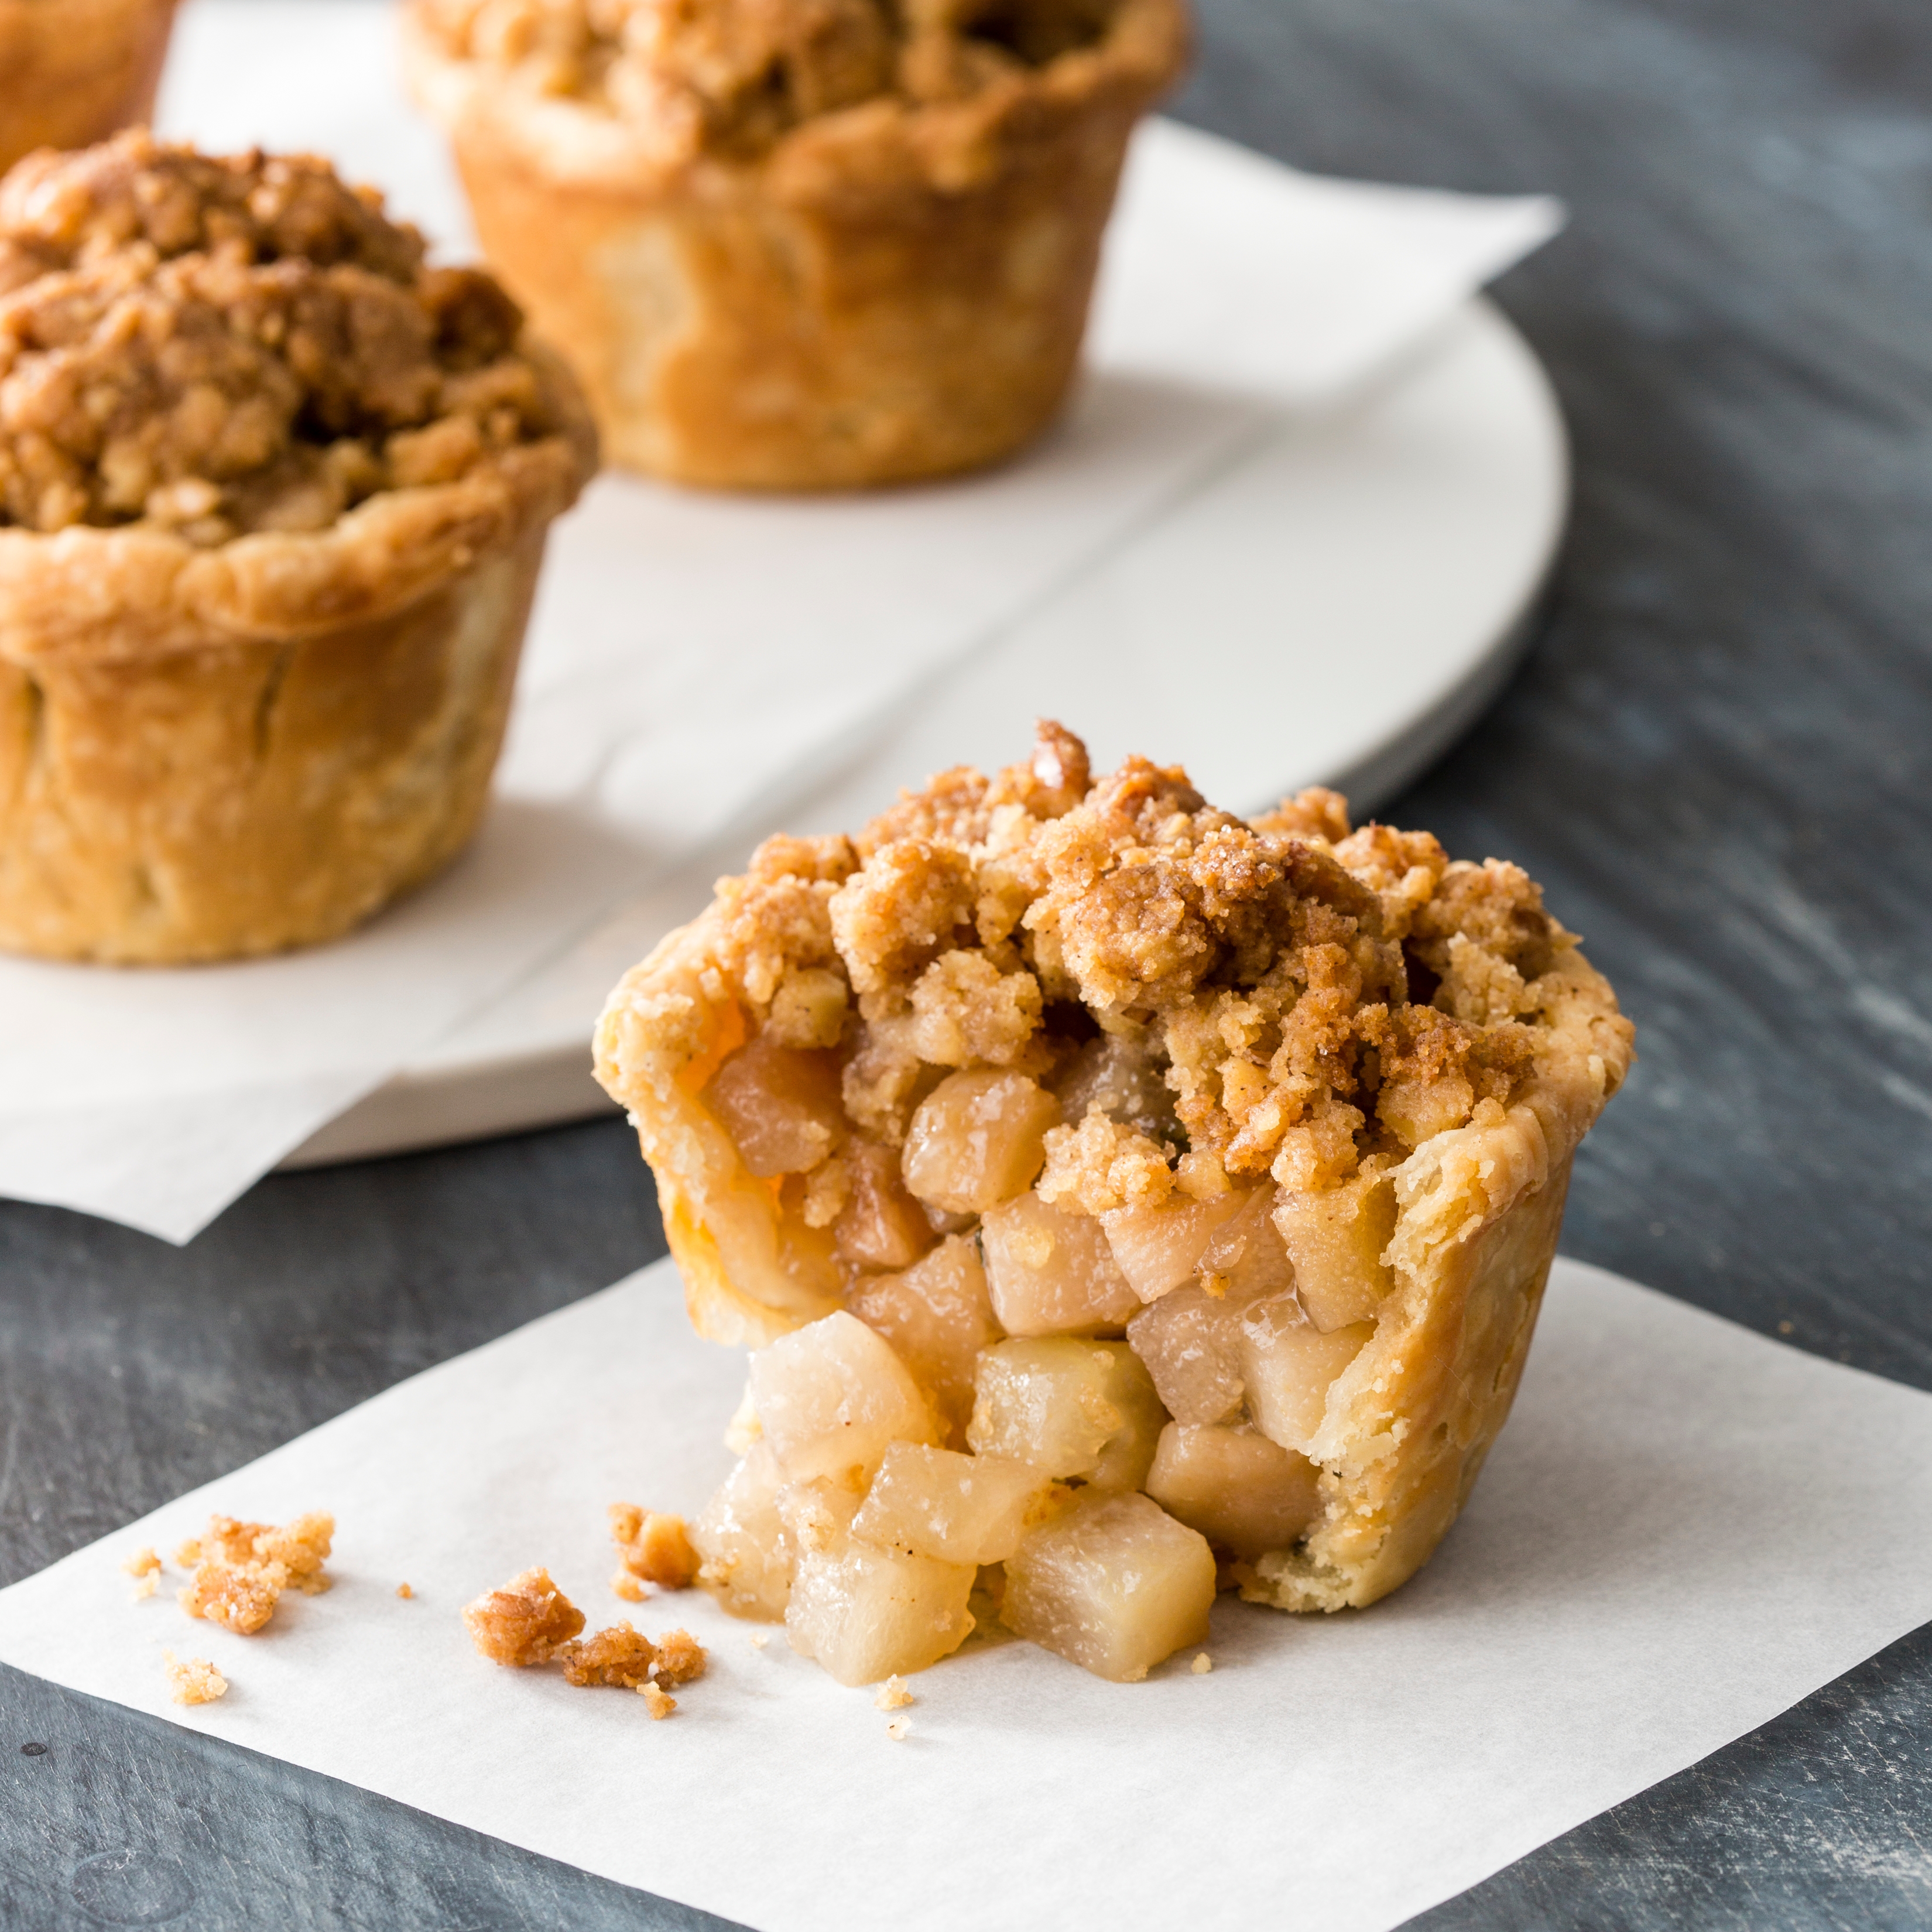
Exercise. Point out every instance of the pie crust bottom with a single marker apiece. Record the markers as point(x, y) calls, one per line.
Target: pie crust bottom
point(72, 72)
point(224, 796)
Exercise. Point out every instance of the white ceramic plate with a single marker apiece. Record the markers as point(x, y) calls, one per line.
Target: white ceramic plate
point(1335, 606)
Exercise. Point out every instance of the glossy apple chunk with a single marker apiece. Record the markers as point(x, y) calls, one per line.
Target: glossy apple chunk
point(1113, 1582)
point(1247, 1258)
point(1247, 1495)
point(1191, 1343)
point(1335, 1238)
point(1070, 1407)
point(865, 1612)
point(1288, 1364)
point(978, 1139)
point(1158, 1248)
point(780, 1104)
point(954, 1508)
point(1051, 1273)
point(937, 1316)
point(831, 1396)
point(880, 1226)
point(745, 1558)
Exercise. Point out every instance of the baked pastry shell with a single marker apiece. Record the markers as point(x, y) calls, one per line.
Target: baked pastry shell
point(208, 754)
point(72, 72)
point(1410, 1421)
point(893, 293)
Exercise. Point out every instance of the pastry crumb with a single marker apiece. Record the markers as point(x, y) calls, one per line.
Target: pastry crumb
point(656, 1701)
point(899, 1729)
point(622, 1656)
point(404, 1590)
point(527, 1622)
point(145, 1586)
point(1201, 1665)
point(757, 1639)
point(241, 1569)
point(144, 1562)
point(655, 1548)
point(893, 1695)
point(193, 1680)
point(681, 1658)
point(624, 1584)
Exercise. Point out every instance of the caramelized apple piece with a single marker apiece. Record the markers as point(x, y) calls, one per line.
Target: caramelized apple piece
point(1191, 1343)
point(864, 1611)
point(1113, 1582)
point(746, 1560)
point(780, 1104)
point(1336, 1237)
point(1247, 1258)
point(937, 1316)
point(977, 1139)
point(1119, 1075)
point(881, 1225)
point(1245, 1494)
point(1159, 1248)
point(829, 1397)
point(1288, 1363)
point(1050, 1272)
point(1069, 1408)
point(955, 1509)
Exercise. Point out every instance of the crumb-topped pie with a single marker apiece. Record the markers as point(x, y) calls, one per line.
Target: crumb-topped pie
point(799, 244)
point(75, 71)
point(1122, 1199)
point(273, 497)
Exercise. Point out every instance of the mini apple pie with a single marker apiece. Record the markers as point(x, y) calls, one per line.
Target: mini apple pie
point(1122, 1200)
point(799, 244)
point(75, 71)
point(273, 498)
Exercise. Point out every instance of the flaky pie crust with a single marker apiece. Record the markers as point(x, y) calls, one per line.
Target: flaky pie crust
point(893, 291)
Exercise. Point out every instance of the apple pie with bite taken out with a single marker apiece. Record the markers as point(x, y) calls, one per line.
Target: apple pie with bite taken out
point(1122, 1200)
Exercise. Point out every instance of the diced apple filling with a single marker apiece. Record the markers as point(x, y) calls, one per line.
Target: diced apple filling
point(863, 1611)
point(1191, 1343)
point(978, 1139)
point(780, 1104)
point(1247, 1495)
point(746, 1560)
point(1335, 1238)
point(954, 1508)
point(1159, 1248)
point(1069, 1408)
point(1288, 1364)
point(1050, 1272)
point(829, 1397)
point(880, 1226)
point(1246, 1258)
point(937, 1316)
point(1113, 1582)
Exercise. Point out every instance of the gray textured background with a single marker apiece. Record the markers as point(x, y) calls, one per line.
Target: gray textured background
point(1716, 761)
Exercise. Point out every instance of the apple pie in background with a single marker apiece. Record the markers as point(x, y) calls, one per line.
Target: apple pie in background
point(799, 244)
point(273, 498)
point(72, 72)
point(1122, 1200)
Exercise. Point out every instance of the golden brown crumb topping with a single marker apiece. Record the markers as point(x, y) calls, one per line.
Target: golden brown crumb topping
point(241, 1569)
point(193, 1680)
point(527, 1622)
point(626, 1658)
point(1209, 999)
point(654, 1549)
point(216, 346)
point(731, 77)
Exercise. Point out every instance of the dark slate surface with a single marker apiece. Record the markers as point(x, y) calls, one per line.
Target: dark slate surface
point(1716, 761)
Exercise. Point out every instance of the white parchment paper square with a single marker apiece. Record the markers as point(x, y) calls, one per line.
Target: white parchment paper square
point(1684, 1529)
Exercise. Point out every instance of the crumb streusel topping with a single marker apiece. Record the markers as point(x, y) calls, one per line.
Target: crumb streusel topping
point(731, 77)
point(219, 346)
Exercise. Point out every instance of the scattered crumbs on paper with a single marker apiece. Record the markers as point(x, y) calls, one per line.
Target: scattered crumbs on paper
point(144, 1562)
point(658, 1702)
point(404, 1590)
point(193, 1680)
point(899, 1729)
point(629, 1588)
point(1202, 1664)
point(757, 1639)
point(145, 1586)
point(893, 1695)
